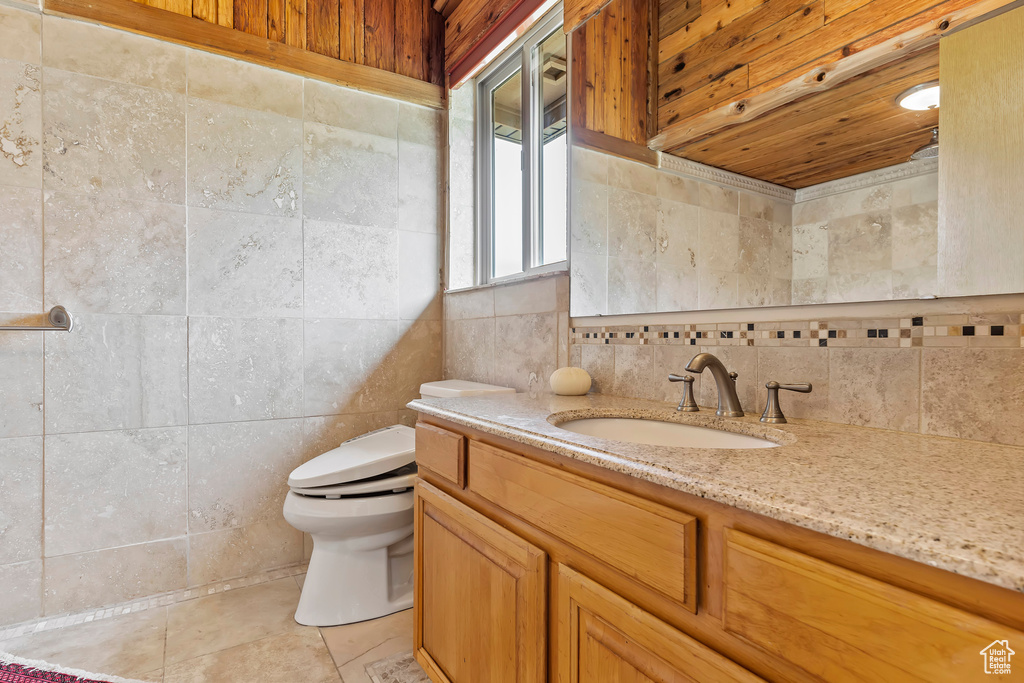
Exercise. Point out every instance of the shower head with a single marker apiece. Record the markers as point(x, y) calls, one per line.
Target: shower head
point(929, 151)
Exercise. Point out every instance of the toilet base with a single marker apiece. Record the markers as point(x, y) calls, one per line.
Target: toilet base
point(345, 584)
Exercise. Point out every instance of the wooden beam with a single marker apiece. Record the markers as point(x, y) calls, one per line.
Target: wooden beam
point(826, 72)
point(581, 137)
point(132, 16)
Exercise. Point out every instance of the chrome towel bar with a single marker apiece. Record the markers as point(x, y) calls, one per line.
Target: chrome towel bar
point(58, 317)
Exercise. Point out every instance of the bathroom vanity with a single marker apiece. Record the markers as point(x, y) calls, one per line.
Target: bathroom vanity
point(844, 554)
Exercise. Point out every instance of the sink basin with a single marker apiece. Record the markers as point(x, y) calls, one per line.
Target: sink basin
point(658, 433)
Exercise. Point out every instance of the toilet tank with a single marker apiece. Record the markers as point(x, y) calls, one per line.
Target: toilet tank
point(453, 388)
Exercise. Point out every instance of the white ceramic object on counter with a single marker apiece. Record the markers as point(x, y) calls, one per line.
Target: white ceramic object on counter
point(570, 381)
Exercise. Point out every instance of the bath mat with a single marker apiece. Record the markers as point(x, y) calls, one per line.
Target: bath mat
point(19, 670)
point(400, 668)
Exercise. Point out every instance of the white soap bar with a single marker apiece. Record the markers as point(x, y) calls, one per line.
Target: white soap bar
point(570, 381)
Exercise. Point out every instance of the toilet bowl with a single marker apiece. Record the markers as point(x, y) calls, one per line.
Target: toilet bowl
point(356, 502)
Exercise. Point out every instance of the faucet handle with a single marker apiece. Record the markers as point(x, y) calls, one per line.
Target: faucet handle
point(772, 410)
point(687, 404)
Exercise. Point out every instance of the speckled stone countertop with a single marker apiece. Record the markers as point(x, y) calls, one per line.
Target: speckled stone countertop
point(953, 504)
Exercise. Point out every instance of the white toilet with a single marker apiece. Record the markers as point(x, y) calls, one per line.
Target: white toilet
point(356, 502)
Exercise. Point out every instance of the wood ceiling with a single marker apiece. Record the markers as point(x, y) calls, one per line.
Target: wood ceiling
point(798, 92)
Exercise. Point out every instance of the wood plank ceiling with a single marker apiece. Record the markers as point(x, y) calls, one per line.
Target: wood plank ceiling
point(798, 92)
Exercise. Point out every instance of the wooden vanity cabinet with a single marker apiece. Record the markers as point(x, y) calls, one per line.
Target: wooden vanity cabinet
point(535, 567)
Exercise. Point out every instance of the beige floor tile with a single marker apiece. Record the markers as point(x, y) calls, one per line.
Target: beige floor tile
point(152, 676)
point(355, 670)
point(126, 646)
point(350, 642)
point(284, 658)
point(301, 580)
point(218, 622)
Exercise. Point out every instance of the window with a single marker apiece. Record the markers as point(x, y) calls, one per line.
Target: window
point(523, 155)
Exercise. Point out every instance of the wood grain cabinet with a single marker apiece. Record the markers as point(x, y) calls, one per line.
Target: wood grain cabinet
point(533, 567)
point(604, 638)
point(481, 601)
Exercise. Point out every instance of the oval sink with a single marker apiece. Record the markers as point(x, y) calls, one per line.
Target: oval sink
point(658, 433)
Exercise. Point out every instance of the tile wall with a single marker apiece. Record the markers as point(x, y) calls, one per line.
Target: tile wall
point(253, 263)
point(513, 335)
point(645, 239)
point(957, 375)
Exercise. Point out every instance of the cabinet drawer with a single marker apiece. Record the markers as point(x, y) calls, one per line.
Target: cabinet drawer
point(843, 626)
point(442, 452)
point(652, 544)
point(604, 638)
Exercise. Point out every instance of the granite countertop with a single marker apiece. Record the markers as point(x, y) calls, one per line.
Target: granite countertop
point(953, 504)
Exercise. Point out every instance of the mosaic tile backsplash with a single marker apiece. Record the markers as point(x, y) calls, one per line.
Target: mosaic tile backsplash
point(889, 373)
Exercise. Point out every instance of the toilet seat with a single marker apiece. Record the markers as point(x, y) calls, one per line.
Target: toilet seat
point(395, 481)
point(382, 462)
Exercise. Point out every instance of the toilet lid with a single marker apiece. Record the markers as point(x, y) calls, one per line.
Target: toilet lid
point(363, 457)
point(396, 480)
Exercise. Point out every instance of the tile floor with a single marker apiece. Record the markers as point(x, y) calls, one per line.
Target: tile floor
point(240, 635)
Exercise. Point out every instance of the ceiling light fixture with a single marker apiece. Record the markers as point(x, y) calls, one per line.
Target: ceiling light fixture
point(921, 97)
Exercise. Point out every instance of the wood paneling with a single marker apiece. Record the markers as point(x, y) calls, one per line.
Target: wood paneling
point(654, 545)
point(442, 452)
point(215, 37)
point(841, 626)
point(611, 71)
point(481, 599)
point(828, 136)
point(981, 243)
point(398, 36)
point(576, 12)
point(727, 69)
point(604, 638)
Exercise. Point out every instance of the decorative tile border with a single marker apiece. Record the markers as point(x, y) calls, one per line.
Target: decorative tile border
point(141, 605)
point(1002, 330)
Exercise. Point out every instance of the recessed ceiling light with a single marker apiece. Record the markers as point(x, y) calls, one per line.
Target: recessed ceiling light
point(921, 97)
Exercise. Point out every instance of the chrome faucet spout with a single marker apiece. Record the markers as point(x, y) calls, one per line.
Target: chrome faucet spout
point(728, 401)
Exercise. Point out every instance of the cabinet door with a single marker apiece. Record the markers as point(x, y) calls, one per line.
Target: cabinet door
point(480, 596)
point(603, 638)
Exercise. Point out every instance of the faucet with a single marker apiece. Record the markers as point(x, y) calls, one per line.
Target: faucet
point(728, 401)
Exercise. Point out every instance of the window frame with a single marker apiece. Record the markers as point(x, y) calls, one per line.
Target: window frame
point(518, 57)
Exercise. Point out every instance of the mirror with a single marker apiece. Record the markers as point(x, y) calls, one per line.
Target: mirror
point(689, 237)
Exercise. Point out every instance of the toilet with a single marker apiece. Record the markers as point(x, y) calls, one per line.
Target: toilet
point(356, 502)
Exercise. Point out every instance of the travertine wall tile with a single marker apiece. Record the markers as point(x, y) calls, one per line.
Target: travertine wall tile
point(350, 271)
point(21, 515)
point(19, 35)
point(244, 369)
point(244, 265)
point(350, 366)
point(529, 350)
point(634, 371)
point(117, 372)
point(20, 124)
point(244, 159)
point(350, 177)
point(973, 394)
point(71, 45)
point(106, 255)
point(23, 600)
point(118, 173)
point(875, 388)
point(21, 381)
point(792, 366)
point(108, 489)
point(238, 472)
point(243, 84)
point(76, 582)
point(477, 303)
point(533, 296)
point(21, 260)
point(118, 139)
point(419, 276)
point(469, 349)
